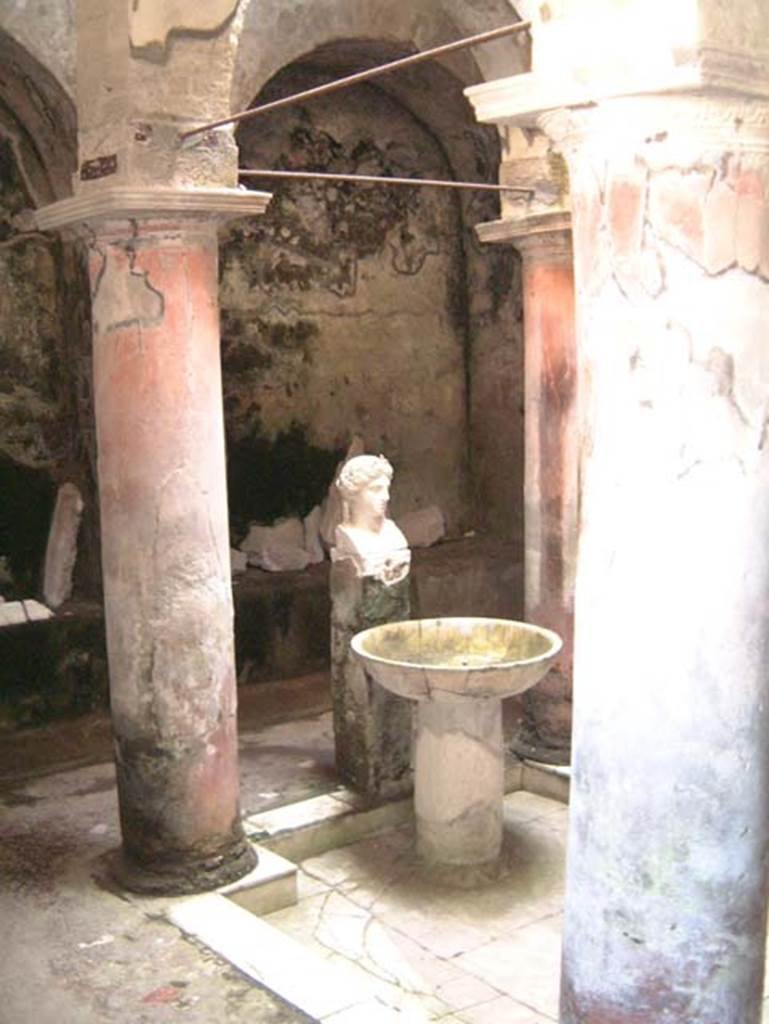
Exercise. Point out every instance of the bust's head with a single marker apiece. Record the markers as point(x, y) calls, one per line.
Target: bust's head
point(366, 536)
point(364, 484)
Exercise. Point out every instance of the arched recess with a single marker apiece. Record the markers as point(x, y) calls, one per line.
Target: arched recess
point(480, 351)
point(46, 432)
point(274, 35)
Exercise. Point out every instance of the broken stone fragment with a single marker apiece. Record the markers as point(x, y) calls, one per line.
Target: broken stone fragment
point(277, 548)
point(312, 540)
point(288, 532)
point(61, 552)
point(423, 527)
point(275, 556)
point(15, 613)
point(238, 561)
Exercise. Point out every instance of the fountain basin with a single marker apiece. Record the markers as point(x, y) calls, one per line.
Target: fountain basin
point(458, 670)
point(457, 658)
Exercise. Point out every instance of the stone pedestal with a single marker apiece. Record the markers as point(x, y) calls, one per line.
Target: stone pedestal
point(459, 812)
point(372, 728)
point(666, 889)
point(165, 536)
point(551, 477)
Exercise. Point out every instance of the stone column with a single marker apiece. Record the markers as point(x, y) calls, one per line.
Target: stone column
point(551, 479)
point(165, 536)
point(666, 899)
point(669, 825)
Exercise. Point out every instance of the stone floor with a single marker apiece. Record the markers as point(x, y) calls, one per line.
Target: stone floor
point(75, 951)
point(427, 951)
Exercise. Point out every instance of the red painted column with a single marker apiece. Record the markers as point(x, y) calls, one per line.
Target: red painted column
point(550, 487)
point(551, 476)
point(165, 541)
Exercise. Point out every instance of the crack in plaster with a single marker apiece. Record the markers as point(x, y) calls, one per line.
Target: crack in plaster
point(716, 176)
point(144, 294)
point(94, 246)
point(663, 243)
point(140, 318)
point(764, 434)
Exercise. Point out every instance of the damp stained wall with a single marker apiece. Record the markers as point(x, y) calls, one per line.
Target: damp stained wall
point(57, 668)
point(30, 336)
point(30, 331)
point(344, 307)
point(46, 415)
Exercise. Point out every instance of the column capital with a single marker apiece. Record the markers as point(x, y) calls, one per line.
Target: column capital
point(124, 203)
point(673, 128)
point(544, 237)
point(531, 160)
point(588, 51)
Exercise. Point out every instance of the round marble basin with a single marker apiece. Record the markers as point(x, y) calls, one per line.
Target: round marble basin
point(452, 658)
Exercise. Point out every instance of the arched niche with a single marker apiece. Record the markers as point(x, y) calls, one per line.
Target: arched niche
point(390, 322)
point(273, 35)
point(46, 419)
point(39, 117)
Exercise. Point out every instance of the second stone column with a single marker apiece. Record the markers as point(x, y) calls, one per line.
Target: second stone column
point(551, 477)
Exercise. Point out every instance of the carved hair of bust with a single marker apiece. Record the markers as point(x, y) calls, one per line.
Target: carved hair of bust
point(359, 472)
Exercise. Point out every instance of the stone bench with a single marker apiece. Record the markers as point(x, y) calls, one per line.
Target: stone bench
point(57, 668)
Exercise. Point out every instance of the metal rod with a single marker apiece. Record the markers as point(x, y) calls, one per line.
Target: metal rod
point(371, 179)
point(362, 76)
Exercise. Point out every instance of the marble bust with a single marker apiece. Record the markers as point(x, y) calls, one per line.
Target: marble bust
point(366, 536)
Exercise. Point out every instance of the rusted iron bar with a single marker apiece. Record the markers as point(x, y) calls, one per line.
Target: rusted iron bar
point(372, 179)
point(363, 76)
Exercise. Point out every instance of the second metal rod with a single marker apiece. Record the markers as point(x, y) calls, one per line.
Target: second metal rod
point(372, 179)
point(362, 76)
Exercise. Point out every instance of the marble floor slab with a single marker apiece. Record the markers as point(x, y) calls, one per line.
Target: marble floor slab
point(423, 949)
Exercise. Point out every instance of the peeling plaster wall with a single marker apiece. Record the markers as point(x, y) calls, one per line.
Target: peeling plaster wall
point(344, 308)
point(46, 30)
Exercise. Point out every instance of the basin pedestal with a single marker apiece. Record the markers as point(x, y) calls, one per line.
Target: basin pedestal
point(458, 670)
point(459, 781)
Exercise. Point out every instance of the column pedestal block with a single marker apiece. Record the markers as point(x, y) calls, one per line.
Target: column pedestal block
point(372, 728)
